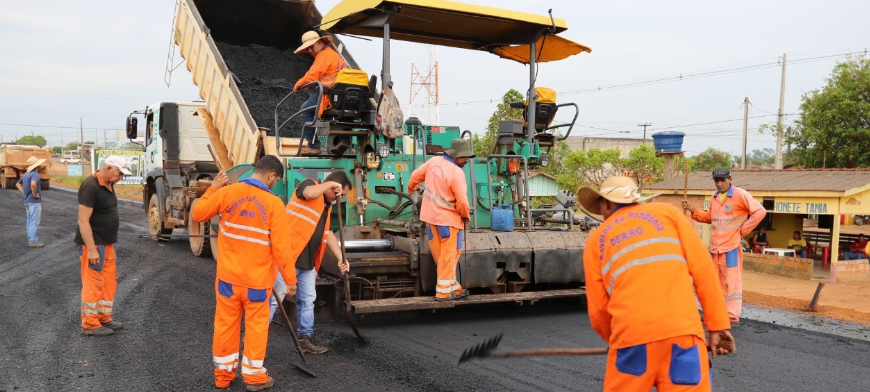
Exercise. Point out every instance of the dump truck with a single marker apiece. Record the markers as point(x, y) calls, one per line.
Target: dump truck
point(391, 265)
point(13, 164)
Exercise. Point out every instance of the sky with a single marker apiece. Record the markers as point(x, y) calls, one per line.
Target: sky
point(90, 63)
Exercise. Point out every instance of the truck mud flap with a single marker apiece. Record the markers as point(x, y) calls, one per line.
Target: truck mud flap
point(428, 302)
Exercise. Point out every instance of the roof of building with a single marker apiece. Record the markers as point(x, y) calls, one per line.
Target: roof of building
point(533, 173)
point(833, 180)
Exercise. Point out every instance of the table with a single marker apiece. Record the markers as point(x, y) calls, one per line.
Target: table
point(779, 251)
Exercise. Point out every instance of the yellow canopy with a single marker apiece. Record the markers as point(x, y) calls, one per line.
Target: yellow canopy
point(459, 25)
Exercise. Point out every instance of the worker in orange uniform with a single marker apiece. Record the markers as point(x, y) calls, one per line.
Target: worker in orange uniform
point(252, 242)
point(309, 212)
point(445, 210)
point(327, 64)
point(733, 214)
point(644, 265)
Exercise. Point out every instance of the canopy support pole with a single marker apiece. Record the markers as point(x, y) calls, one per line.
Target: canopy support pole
point(530, 116)
point(386, 78)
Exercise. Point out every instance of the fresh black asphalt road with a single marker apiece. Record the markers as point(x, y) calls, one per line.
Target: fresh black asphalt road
point(166, 297)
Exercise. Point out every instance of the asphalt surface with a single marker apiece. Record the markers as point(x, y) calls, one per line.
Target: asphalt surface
point(166, 297)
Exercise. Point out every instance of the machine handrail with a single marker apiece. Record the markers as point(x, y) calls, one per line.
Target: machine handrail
point(525, 181)
point(569, 125)
point(309, 124)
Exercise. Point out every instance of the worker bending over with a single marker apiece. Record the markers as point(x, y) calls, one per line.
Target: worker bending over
point(643, 265)
point(733, 214)
point(327, 64)
point(309, 212)
point(445, 210)
point(252, 242)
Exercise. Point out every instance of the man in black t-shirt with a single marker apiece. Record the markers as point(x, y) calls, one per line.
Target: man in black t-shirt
point(96, 235)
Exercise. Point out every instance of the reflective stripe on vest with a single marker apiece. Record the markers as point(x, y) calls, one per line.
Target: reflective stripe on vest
point(243, 227)
point(721, 226)
point(652, 259)
point(243, 238)
point(440, 200)
point(635, 246)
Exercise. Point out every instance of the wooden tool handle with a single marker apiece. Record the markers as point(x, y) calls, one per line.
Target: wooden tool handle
point(551, 351)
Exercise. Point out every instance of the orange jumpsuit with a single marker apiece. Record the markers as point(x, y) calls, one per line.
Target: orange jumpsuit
point(644, 266)
point(252, 242)
point(445, 208)
point(327, 64)
point(731, 219)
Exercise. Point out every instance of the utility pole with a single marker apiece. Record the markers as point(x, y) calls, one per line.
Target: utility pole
point(778, 161)
point(644, 130)
point(81, 134)
point(745, 124)
point(104, 139)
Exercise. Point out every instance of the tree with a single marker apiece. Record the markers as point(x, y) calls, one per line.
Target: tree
point(71, 146)
point(32, 140)
point(710, 159)
point(56, 150)
point(643, 164)
point(589, 168)
point(483, 145)
point(834, 125)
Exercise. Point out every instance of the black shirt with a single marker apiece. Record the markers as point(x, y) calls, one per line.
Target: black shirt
point(104, 220)
point(306, 258)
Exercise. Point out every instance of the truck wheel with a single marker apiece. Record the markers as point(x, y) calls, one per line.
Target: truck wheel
point(200, 246)
point(44, 184)
point(859, 221)
point(155, 221)
point(10, 183)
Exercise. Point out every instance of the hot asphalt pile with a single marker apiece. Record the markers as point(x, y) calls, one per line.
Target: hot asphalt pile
point(166, 297)
point(266, 75)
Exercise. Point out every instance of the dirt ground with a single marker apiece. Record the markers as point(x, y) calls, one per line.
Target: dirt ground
point(841, 301)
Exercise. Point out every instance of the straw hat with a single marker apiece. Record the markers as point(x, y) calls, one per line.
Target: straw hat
point(618, 189)
point(460, 148)
point(34, 162)
point(309, 38)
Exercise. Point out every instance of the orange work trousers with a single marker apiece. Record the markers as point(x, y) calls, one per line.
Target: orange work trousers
point(675, 364)
point(730, 268)
point(445, 243)
point(232, 302)
point(98, 289)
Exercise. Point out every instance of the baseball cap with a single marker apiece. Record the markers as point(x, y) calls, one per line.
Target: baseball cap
point(118, 162)
point(722, 173)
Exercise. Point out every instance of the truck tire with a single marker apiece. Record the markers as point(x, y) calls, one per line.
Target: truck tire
point(199, 246)
point(44, 184)
point(155, 221)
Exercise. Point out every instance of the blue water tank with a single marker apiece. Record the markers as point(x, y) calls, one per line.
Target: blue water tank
point(668, 141)
point(502, 218)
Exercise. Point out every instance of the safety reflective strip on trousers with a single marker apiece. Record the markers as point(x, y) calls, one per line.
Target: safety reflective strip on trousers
point(446, 286)
point(443, 202)
point(635, 246)
point(89, 307)
point(252, 366)
point(636, 263)
point(106, 306)
point(227, 363)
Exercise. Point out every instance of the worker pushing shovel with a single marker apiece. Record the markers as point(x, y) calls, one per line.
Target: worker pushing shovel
point(644, 265)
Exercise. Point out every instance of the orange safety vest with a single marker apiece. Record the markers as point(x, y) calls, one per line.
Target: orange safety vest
point(643, 266)
point(445, 195)
point(730, 219)
point(327, 64)
point(251, 239)
point(304, 215)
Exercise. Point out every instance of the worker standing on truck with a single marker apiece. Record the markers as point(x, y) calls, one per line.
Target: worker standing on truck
point(445, 209)
point(252, 243)
point(309, 213)
point(644, 265)
point(29, 186)
point(733, 214)
point(96, 235)
point(327, 64)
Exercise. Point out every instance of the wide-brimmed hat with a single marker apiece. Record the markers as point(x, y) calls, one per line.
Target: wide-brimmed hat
point(618, 189)
point(34, 162)
point(309, 38)
point(120, 163)
point(460, 148)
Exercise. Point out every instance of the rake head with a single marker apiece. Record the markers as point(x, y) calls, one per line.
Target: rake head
point(482, 350)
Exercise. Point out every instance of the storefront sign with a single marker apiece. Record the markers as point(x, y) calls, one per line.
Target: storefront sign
point(809, 205)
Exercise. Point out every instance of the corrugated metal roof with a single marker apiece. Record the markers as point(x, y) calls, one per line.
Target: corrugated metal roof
point(834, 180)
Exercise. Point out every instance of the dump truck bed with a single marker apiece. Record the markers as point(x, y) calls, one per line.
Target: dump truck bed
point(240, 54)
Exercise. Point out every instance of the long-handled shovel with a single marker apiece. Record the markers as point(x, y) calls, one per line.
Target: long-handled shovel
point(486, 350)
point(304, 366)
point(349, 304)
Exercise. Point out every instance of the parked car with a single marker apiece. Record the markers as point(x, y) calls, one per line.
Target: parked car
point(70, 160)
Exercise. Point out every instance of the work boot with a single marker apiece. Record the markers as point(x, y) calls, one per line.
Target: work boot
point(259, 387)
point(310, 151)
point(99, 331)
point(113, 325)
point(462, 294)
point(36, 244)
point(307, 346)
point(450, 298)
point(338, 149)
